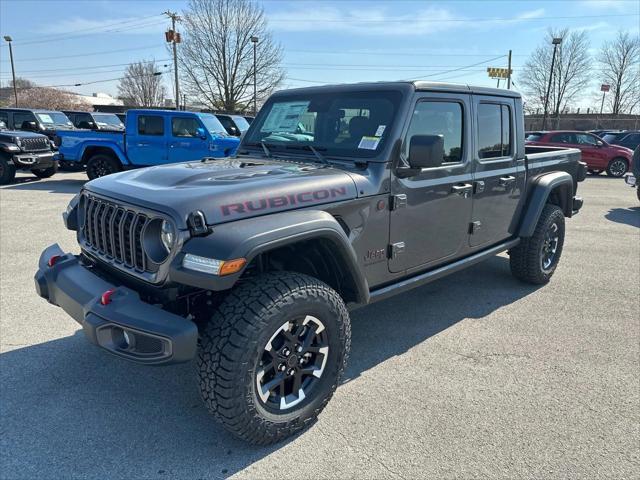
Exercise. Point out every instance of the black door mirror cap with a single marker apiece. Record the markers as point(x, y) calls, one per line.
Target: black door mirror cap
point(426, 151)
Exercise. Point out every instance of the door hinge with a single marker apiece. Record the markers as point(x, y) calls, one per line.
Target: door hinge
point(398, 201)
point(474, 227)
point(396, 249)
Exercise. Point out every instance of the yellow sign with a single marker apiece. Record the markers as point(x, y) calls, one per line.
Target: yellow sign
point(495, 72)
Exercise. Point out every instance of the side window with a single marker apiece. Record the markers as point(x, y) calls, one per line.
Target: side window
point(184, 127)
point(227, 123)
point(633, 138)
point(151, 125)
point(585, 139)
point(4, 117)
point(83, 120)
point(563, 138)
point(20, 117)
point(438, 118)
point(494, 131)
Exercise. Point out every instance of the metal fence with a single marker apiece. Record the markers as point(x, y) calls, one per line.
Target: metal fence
point(585, 121)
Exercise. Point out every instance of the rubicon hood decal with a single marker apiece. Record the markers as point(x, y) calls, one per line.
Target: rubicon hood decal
point(228, 189)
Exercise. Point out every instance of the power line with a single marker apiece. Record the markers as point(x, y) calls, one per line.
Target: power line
point(384, 52)
point(87, 68)
point(461, 68)
point(104, 80)
point(105, 52)
point(445, 20)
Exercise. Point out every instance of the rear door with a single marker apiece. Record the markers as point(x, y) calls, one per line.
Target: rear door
point(429, 222)
point(147, 143)
point(184, 143)
point(498, 173)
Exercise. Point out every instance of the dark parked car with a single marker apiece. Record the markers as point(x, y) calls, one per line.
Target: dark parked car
point(602, 133)
point(235, 125)
point(46, 122)
point(122, 117)
point(596, 153)
point(95, 121)
point(627, 138)
point(250, 265)
point(25, 151)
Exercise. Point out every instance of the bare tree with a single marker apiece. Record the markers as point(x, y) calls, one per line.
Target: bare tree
point(571, 73)
point(50, 98)
point(142, 85)
point(216, 54)
point(620, 68)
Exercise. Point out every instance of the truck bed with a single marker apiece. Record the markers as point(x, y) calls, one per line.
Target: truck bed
point(547, 159)
point(70, 142)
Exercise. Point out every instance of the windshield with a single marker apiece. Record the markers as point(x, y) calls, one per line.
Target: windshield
point(212, 124)
point(610, 137)
point(107, 120)
point(241, 123)
point(54, 119)
point(351, 124)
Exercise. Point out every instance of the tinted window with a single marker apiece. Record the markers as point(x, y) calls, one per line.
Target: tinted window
point(438, 118)
point(150, 125)
point(4, 117)
point(83, 120)
point(585, 139)
point(634, 138)
point(494, 131)
point(184, 127)
point(227, 123)
point(563, 138)
point(20, 117)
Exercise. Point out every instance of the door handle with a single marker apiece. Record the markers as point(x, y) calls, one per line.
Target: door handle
point(506, 181)
point(463, 189)
point(142, 144)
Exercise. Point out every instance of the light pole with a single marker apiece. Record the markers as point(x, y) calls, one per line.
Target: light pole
point(8, 39)
point(556, 41)
point(174, 37)
point(254, 40)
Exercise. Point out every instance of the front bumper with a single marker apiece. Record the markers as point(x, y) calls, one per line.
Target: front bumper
point(127, 326)
point(34, 160)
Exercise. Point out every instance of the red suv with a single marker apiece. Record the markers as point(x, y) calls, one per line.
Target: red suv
point(596, 153)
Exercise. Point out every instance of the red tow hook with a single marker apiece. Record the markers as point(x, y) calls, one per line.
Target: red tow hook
point(52, 261)
point(105, 299)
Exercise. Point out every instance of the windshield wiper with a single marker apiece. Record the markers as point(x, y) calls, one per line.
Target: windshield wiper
point(267, 152)
point(315, 151)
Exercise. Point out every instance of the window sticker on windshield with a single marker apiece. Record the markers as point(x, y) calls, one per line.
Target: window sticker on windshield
point(44, 118)
point(369, 143)
point(284, 117)
point(380, 130)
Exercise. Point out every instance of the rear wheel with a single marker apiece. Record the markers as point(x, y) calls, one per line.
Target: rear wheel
point(535, 259)
point(101, 165)
point(272, 355)
point(7, 171)
point(617, 167)
point(46, 172)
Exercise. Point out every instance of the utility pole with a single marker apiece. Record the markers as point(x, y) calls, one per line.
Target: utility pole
point(174, 37)
point(254, 40)
point(555, 42)
point(8, 39)
point(509, 73)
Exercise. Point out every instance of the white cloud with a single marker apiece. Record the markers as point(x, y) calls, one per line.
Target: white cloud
point(381, 21)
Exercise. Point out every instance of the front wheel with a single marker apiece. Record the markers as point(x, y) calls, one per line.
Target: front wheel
point(46, 172)
point(272, 355)
point(617, 167)
point(101, 165)
point(535, 258)
point(7, 171)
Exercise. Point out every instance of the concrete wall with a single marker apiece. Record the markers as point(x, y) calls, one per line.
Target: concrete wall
point(574, 121)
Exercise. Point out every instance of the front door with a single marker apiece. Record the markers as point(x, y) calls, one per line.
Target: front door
point(185, 144)
point(498, 174)
point(147, 145)
point(592, 148)
point(431, 210)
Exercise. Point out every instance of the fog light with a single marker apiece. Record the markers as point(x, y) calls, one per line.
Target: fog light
point(127, 340)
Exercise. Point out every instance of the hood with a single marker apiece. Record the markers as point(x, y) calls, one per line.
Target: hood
point(227, 189)
point(624, 150)
point(12, 135)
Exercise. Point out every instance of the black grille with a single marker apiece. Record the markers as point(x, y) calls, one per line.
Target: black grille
point(115, 232)
point(35, 144)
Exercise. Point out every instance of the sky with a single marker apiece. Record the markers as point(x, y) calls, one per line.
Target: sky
point(76, 41)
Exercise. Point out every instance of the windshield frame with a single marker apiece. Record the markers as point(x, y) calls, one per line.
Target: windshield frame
point(396, 96)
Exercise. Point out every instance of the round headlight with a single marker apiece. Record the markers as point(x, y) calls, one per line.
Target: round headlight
point(168, 235)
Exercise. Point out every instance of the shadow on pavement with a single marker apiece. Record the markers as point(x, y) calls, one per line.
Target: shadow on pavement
point(627, 216)
point(52, 185)
point(70, 409)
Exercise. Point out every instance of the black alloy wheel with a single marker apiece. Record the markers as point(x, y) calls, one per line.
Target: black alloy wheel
point(292, 363)
point(549, 247)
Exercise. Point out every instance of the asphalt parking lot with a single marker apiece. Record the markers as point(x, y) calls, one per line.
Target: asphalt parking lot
point(475, 375)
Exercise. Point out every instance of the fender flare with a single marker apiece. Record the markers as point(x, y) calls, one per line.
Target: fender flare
point(115, 149)
point(539, 195)
point(250, 237)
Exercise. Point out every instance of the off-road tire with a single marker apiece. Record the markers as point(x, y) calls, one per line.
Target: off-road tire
point(526, 258)
point(231, 344)
point(617, 173)
point(7, 171)
point(46, 172)
point(101, 165)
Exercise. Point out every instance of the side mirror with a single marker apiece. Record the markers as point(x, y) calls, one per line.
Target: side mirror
point(426, 151)
point(599, 143)
point(200, 133)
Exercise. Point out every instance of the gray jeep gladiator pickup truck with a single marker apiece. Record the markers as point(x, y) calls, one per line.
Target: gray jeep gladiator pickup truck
point(339, 196)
